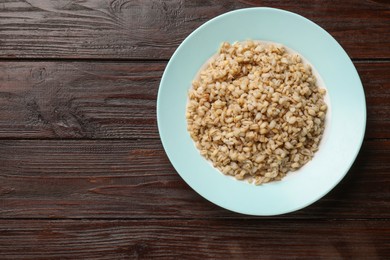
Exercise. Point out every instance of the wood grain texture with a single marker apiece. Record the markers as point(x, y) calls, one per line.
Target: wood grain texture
point(194, 239)
point(152, 29)
point(103, 100)
point(134, 179)
point(78, 99)
point(376, 82)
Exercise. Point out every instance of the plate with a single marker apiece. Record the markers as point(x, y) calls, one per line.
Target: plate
point(345, 122)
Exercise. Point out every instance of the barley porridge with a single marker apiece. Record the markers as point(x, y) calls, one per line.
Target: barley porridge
point(256, 111)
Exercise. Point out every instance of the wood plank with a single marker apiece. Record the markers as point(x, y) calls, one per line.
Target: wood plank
point(376, 82)
point(195, 239)
point(118, 99)
point(134, 179)
point(78, 99)
point(153, 29)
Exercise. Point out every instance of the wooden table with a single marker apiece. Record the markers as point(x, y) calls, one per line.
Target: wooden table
point(82, 170)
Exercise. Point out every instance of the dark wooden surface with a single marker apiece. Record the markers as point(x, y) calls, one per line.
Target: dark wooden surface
point(196, 239)
point(83, 173)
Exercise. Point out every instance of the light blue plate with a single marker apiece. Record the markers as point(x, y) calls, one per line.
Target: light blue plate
point(345, 123)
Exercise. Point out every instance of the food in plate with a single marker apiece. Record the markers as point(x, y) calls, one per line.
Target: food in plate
point(255, 110)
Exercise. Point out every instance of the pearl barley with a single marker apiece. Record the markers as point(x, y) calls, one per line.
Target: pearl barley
point(256, 111)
